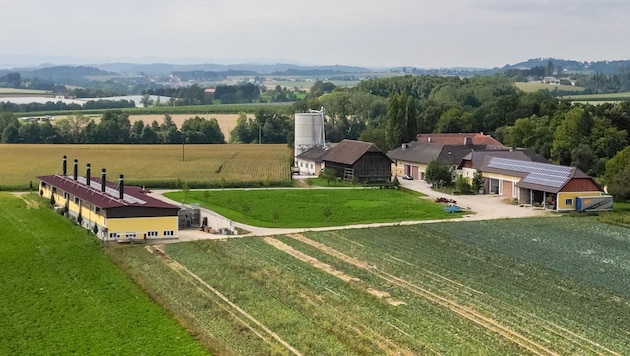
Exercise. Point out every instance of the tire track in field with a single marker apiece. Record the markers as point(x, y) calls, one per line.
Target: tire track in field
point(457, 308)
point(185, 272)
point(383, 343)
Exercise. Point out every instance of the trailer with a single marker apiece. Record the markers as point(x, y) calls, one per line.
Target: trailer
point(596, 203)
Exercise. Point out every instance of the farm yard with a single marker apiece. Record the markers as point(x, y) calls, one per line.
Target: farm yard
point(289, 208)
point(166, 165)
point(441, 288)
point(61, 295)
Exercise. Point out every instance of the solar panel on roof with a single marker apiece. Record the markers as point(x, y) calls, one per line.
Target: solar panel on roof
point(537, 173)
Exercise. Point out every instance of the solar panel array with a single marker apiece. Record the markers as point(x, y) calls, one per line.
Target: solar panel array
point(545, 174)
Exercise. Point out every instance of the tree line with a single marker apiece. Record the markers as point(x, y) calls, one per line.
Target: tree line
point(114, 127)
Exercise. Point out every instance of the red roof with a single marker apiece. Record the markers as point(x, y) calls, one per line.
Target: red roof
point(459, 139)
point(133, 196)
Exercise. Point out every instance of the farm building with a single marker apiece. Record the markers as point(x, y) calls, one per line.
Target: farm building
point(552, 186)
point(358, 161)
point(471, 163)
point(310, 162)
point(113, 211)
point(412, 159)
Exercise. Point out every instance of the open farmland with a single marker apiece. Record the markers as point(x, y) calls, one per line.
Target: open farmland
point(315, 207)
point(62, 296)
point(531, 87)
point(554, 286)
point(151, 165)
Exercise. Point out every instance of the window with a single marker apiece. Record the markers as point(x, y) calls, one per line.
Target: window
point(311, 166)
point(77, 201)
point(113, 235)
point(130, 235)
point(97, 209)
point(169, 233)
point(301, 164)
point(152, 233)
point(66, 196)
point(568, 201)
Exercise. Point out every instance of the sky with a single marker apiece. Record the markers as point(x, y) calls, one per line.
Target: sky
point(394, 33)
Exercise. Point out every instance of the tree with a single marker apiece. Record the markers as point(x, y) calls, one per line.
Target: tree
point(328, 175)
point(396, 121)
point(439, 174)
point(455, 120)
point(146, 100)
point(617, 176)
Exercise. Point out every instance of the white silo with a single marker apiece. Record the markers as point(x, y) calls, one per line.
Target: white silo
point(309, 130)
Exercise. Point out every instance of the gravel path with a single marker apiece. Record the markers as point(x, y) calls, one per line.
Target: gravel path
point(481, 207)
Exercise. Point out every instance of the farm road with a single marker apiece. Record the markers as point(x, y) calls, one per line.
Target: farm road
point(482, 207)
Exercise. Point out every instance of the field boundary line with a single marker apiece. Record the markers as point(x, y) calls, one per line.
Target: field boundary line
point(461, 310)
point(178, 266)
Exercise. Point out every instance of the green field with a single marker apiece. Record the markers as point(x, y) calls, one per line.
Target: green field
point(611, 97)
point(557, 286)
point(62, 296)
point(315, 207)
point(14, 92)
point(166, 166)
point(531, 87)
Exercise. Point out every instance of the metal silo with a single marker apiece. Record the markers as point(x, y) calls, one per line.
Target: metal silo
point(309, 130)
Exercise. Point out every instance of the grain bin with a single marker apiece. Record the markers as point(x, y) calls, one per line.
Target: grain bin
point(309, 130)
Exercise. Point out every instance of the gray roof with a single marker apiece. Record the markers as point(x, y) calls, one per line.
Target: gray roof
point(315, 154)
point(534, 175)
point(425, 152)
point(350, 151)
point(477, 157)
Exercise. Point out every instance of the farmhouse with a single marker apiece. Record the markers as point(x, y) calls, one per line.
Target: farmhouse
point(552, 186)
point(471, 163)
point(310, 162)
point(113, 211)
point(412, 159)
point(358, 161)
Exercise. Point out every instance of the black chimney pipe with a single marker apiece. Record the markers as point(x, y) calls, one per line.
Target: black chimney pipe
point(103, 180)
point(64, 165)
point(88, 174)
point(76, 169)
point(121, 190)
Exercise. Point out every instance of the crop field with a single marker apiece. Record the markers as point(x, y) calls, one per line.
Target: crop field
point(61, 295)
point(165, 166)
point(550, 286)
point(12, 91)
point(611, 97)
point(315, 207)
point(530, 87)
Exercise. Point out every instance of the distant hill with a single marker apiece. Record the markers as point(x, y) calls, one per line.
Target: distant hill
point(571, 66)
point(167, 69)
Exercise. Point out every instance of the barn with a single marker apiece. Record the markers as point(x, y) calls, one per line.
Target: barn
point(113, 211)
point(358, 161)
point(552, 186)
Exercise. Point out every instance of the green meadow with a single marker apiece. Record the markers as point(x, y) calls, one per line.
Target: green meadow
point(61, 295)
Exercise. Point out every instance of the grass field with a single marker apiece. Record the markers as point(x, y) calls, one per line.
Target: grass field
point(151, 165)
point(611, 97)
point(62, 296)
point(554, 286)
point(530, 87)
point(315, 207)
point(12, 91)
